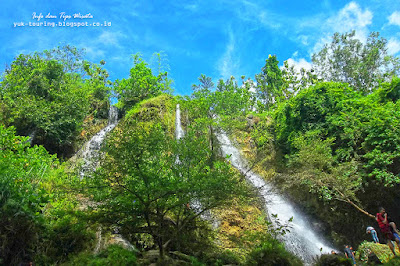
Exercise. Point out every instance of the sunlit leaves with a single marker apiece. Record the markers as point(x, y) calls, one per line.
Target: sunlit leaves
point(363, 66)
point(46, 96)
point(23, 171)
point(141, 84)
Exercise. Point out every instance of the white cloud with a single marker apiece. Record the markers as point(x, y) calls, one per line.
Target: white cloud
point(393, 46)
point(304, 39)
point(352, 17)
point(321, 43)
point(110, 38)
point(258, 15)
point(94, 53)
point(394, 18)
point(191, 7)
point(299, 64)
point(228, 64)
point(97, 47)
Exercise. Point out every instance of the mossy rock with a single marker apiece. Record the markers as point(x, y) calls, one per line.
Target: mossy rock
point(153, 110)
point(382, 251)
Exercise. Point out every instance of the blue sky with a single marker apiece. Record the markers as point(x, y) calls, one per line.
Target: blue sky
point(215, 38)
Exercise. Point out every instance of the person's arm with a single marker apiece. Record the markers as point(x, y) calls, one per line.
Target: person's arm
point(385, 221)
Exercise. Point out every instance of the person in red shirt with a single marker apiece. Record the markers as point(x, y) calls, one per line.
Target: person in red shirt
point(382, 219)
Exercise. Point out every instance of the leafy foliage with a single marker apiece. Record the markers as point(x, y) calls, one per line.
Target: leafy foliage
point(339, 141)
point(360, 129)
point(270, 83)
point(141, 84)
point(113, 255)
point(276, 84)
point(272, 252)
point(381, 251)
point(43, 100)
point(363, 66)
point(23, 197)
point(332, 260)
point(154, 185)
point(66, 232)
point(340, 146)
point(38, 222)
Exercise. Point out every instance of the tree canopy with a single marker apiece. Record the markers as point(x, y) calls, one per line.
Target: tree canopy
point(44, 96)
point(153, 184)
point(362, 65)
point(141, 84)
point(329, 138)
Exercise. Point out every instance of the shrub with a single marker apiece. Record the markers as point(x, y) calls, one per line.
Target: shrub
point(272, 252)
point(332, 260)
point(22, 195)
point(114, 255)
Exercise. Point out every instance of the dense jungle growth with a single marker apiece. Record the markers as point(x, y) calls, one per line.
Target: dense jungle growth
point(328, 138)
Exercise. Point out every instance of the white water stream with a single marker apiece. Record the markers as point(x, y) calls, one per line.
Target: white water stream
point(90, 154)
point(32, 136)
point(90, 151)
point(178, 125)
point(302, 240)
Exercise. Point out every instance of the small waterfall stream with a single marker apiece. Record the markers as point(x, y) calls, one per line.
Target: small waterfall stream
point(90, 151)
point(32, 136)
point(301, 240)
point(178, 125)
point(90, 154)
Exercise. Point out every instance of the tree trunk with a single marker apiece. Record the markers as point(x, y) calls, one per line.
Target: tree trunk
point(161, 247)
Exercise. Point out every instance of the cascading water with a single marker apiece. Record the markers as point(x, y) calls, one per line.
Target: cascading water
point(90, 151)
point(32, 136)
point(301, 240)
point(90, 155)
point(178, 125)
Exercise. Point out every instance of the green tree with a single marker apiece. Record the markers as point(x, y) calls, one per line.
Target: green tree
point(363, 66)
point(316, 169)
point(340, 143)
point(295, 80)
point(161, 70)
point(272, 252)
point(70, 57)
point(270, 84)
point(41, 99)
point(144, 188)
point(23, 171)
point(311, 109)
point(98, 87)
point(228, 103)
point(141, 84)
point(231, 99)
point(200, 107)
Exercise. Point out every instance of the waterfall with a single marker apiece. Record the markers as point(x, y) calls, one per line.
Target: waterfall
point(178, 125)
point(301, 240)
point(32, 136)
point(90, 151)
point(90, 155)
